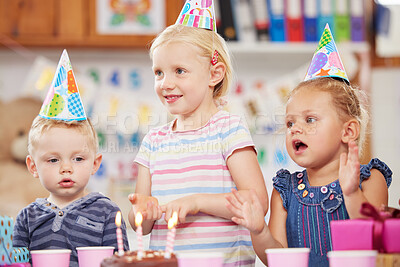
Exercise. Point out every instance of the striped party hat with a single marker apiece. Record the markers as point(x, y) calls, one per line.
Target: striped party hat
point(198, 14)
point(63, 101)
point(326, 61)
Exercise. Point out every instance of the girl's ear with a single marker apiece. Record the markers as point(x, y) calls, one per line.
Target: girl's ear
point(217, 73)
point(30, 164)
point(351, 130)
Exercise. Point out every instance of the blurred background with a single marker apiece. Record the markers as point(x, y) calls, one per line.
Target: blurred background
point(272, 43)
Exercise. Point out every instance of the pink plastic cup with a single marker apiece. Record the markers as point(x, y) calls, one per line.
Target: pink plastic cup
point(202, 259)
point(93, 256)
point(352, 258)
point(288, 257)
point(50, 257)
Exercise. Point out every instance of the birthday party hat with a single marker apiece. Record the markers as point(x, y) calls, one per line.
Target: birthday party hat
point(198, 14)
point(326, 60)
point(63, 101)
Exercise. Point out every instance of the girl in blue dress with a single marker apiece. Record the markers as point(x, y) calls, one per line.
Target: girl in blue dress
point(325, 132)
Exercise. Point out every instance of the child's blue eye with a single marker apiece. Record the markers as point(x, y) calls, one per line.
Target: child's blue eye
point(158, 73)
point(79, 159)
point(53, 160)
point(180, 71)
point(311, 120)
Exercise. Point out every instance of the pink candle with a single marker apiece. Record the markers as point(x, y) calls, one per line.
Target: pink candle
point(119, 234)
point(139, 234)
point(172, 222)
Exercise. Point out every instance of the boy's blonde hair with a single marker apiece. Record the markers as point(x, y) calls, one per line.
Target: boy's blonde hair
point(349, 102)
point(208, 41)
point(41, 125)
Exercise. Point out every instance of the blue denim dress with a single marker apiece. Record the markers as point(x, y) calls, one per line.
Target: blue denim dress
point(311, 208)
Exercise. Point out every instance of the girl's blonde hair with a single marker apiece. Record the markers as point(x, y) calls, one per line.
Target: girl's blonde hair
point(208, 41)
point(349, 102)
point(41, 125)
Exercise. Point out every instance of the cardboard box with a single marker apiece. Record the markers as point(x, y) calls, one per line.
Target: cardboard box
point(391, 236)
point(352, 234)
point(359, 234)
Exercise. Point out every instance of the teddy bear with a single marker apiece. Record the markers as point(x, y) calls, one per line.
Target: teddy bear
point(18, 187)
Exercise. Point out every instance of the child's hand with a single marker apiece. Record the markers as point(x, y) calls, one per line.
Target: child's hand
point(183, 206)
point(248, 212)
point(147, 205)
point(349, 171)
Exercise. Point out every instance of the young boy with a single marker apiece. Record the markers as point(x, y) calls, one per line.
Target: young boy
point(63, 154)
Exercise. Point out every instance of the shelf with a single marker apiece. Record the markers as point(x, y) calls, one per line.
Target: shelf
point(291, 48)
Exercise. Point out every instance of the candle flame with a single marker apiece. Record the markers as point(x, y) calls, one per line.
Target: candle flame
point(138, 219)
point(173, 220)
point(118, 219)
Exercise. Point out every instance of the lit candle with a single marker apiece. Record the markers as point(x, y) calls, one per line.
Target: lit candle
point(119, 234)
point(139, 234)
point(172, 222)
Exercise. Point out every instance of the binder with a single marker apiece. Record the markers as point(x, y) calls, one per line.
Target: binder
point(310, 12)
point(294, 21)
point(357, 20)
point(342, 20)
point(227, 29)
point(325, 15)
point(277, 20)
point(261, 19)
point(244, 22)
point(217, 13)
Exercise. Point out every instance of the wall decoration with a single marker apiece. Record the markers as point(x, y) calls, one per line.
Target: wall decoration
point(94, 73)
point(130, 16)
point(135, 79)
point(115, 78)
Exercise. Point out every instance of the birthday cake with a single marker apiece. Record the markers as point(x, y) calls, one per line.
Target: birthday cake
point(149, 259)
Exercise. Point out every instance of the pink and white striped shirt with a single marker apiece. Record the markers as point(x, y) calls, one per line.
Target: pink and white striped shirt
point(189, 162)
